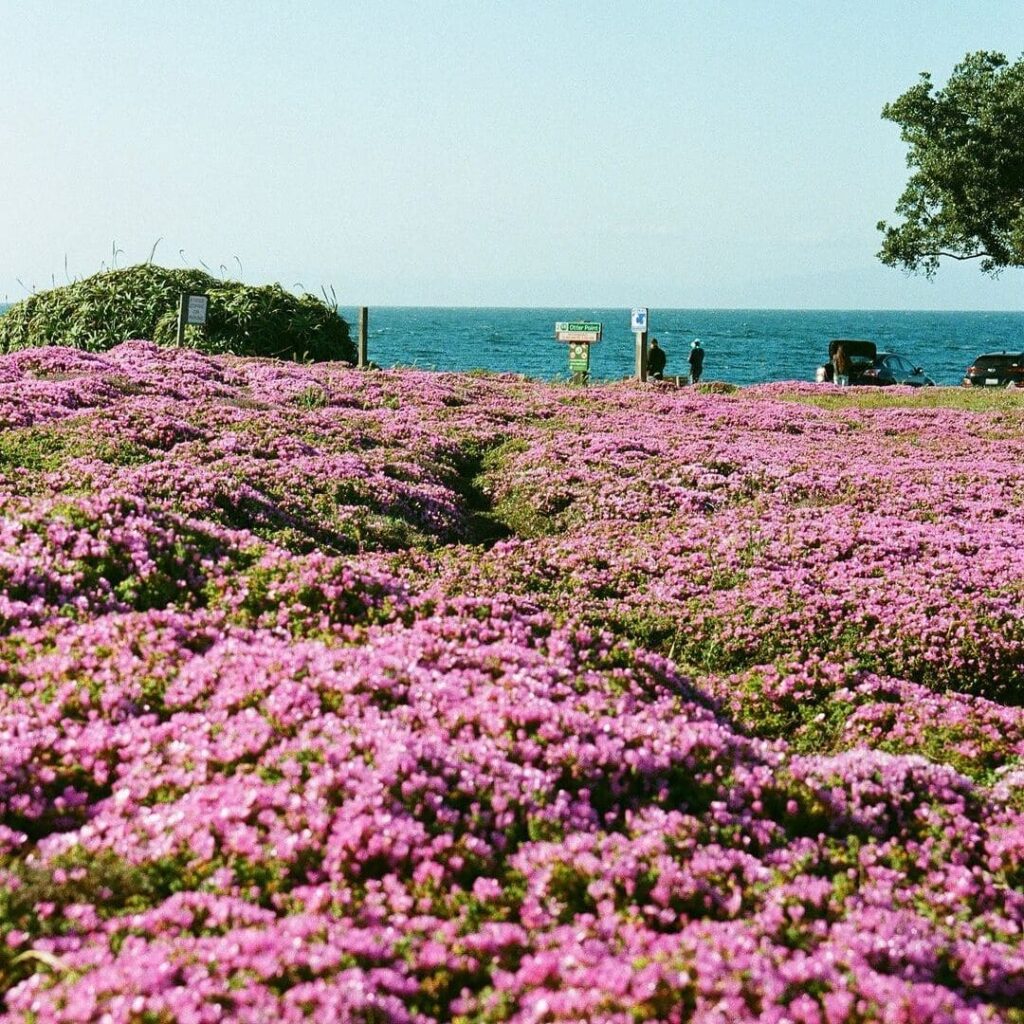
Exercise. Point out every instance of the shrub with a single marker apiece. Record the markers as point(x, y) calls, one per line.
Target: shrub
point(142, 302)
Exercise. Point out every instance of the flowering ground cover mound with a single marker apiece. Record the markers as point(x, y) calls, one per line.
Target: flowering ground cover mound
point(142, 301)
point(343, 696)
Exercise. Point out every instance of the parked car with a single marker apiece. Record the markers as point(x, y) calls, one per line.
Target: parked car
point(869, 366)
point(996, 370)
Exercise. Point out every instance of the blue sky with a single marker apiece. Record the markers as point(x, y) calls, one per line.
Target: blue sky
point(446, 153)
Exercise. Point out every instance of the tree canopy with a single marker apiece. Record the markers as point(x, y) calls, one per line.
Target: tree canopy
point(965, 197)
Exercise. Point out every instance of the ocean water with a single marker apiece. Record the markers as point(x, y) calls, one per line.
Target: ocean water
point(743, 346)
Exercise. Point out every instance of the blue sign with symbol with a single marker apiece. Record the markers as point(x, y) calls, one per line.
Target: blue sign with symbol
point(638, 320)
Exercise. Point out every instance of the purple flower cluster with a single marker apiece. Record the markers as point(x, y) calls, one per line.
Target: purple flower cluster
point(341, 696)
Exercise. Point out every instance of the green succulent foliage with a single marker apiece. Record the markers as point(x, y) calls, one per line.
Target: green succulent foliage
point(142, 302)
point(965, 197)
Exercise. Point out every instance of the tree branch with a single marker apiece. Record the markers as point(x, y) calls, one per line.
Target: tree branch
point(957, 256)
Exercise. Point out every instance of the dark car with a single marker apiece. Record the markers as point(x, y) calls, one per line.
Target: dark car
point(869, 366)
point(996, 370)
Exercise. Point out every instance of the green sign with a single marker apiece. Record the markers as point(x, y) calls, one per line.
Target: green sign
point(577, 330)
point(579, 358)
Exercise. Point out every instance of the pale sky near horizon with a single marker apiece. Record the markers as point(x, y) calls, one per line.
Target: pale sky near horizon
point(588, 154)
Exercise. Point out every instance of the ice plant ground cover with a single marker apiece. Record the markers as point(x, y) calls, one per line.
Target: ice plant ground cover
point(344, 696)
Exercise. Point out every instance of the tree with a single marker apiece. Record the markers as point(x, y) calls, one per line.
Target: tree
point(965, 197)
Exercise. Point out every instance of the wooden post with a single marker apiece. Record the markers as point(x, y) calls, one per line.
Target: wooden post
point(641, 355)
point(364, 320)
point(182, 317)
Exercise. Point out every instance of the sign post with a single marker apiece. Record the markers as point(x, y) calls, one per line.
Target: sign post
point(579, 335)
point(192, 309)
point(364, 321)
point(638, 325)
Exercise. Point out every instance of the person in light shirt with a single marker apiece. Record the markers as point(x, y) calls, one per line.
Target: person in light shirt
point(841, 366)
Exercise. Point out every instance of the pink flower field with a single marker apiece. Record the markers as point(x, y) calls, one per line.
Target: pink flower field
point(410, 697)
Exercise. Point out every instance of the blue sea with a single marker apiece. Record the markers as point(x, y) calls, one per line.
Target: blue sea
point(743, 346)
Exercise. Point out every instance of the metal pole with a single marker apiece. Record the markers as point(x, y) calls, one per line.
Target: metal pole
point(364, 322)
point(182, 316)
point(641, 355)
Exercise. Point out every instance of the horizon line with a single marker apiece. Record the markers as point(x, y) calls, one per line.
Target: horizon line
point(675, 309)
point(618, 308)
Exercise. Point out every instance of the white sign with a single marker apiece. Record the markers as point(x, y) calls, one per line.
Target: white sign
point(587, 336)
point(196, 311)
point(578, 330)
point(638, 320)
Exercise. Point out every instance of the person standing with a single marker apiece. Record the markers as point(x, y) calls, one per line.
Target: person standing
point(696, 361)
point(656, 360)
point(841, 366)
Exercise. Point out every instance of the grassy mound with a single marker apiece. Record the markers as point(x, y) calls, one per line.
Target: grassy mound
point(142, 302)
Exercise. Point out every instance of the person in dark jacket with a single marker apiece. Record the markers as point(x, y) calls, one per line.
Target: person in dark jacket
point(656, 360)
point(696, 361)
